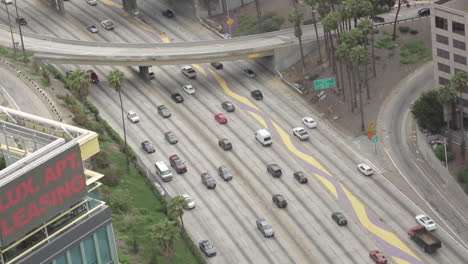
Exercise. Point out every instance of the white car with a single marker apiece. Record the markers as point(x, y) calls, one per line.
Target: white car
point(189, 72)
point(188, 88)
point(92, 2)
point(309, 122)
point(107, 24)
point(189, 200)
point(426, 221)
point(133, 117)
point(7, 2)
point(365, 169)
point(301, 133)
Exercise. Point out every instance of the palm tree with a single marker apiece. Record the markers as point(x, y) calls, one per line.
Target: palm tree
point(359, 57)
point(164, 235)
point(79, 82)
point(366, 28)
point(175, 208)
point(115, 80)
point(259, 16)
point(395, 22)
point(459, 83)
point(296, 17)
point(313, 5)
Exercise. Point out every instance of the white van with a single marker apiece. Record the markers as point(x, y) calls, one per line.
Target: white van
point(264, 137)
point(163, 171)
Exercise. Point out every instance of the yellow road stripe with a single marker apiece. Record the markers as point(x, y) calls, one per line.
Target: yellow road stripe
point(400, 261)
point(199, 68)
point(226, 89)
point(253, 55)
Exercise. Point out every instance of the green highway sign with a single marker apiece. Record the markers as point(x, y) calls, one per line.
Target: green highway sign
point(324, 83)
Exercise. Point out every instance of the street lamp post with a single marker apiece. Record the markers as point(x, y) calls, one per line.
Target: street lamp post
point(11, 30)
point(229, 18)
point(19, 27)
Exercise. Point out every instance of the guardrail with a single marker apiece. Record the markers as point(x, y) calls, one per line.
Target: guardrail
point(400, 21)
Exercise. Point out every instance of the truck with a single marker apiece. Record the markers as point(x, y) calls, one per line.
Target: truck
point(425, 239)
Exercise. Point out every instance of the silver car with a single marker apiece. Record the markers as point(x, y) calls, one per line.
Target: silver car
point(107, 24)
point(301, 133)
point(225, 173)
point(171, 137)
point(133, 117)
point(265, 228)
point(189, 72)
point(207, 247)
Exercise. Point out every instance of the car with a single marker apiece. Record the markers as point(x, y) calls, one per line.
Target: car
point(189, 200)
point(365, 169)
point(339, 218)
point(7, 2)
point(274, 170)
point(171, 137)
point(378, 19)
point(424, 12)
point(189, 72)
point(225, 144)
point(107, 24)
point(208, 180)
point(221, 118)
point(217, 65)
point(92, 2)
point(168, 13)
point(257, 95)
point(378, 257)
point(93, 75)
point(225, 173)
point(188, 88)
point(309, 122)
point(300, 177)
point(279, 200)
point(21, 21)
point(177, 97)
point(249, 73)
point(148, 146)
point(92, 29)
point(426, 221)
point(228, 106)
point(265, 228)
point(133, 117)
point(177, 163)
point(207, 247)
point(301, 133)
point(164, 111)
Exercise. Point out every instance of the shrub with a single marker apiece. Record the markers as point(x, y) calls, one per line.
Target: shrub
point(466, 188)
point(95, 126)
point(81, 119)
point(404, 29)
point(463, 175)
point(2, 163)
point(414, 31)
point(440, 153)
point(101, 160)
point(308, 22)
point(118, 200)
point(111, 176)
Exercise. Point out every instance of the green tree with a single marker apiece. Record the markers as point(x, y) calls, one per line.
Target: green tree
point(295, 17)
point(164, 235)
point(175, 208)
point(271, 21)
point(428, 111)
point(459, 83)
point(366, 28)
point(79, 82)
point(313, 5)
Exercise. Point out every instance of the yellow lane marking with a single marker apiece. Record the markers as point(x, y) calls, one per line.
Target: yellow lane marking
point(199, 68)
point(226, 89)
point(164, 37)
point(400, 261)
point(111, 3)
point(253, 55)
point(259, 119)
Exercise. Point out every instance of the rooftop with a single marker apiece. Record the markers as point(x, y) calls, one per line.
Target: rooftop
point(460, 5)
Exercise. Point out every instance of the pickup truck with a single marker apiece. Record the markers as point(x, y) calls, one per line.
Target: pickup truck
point(425, 239)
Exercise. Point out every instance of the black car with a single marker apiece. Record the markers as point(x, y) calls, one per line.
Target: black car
point(225, 144)
point(168, 13)
point(207, 247)
point(171, 137)
point(177, 97)
point(164, 111)
point(280, 201)
point(228, 106)
point(300, 177)
point(257, 94)
point(148, 146)
point(378, 19)
point(424, 12)
point(249, 73)
point(225, 173)
point(339, 218)
point(274, 170)
point(217, 65)
point(21, 21)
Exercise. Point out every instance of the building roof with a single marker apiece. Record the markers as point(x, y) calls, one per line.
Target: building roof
point(460, 5)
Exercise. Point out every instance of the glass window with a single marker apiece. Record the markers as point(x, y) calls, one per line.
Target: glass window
point(443, 67)
point(459, 44)
point(441, 23)
point(458, 28)
point(61, 260)
point(442, 39)
point(90, 250)
point(443, 81)
point(459, 59)
point(75, 253)
point(443, 53)
point(104, 245)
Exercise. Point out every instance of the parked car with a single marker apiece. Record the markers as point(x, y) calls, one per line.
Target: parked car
point(133, 117)
point(164, 111)
point(274, 170)
point(220, 118)
point(177, 97)
point(228, 106)
point(171, 137)
point(189, 200)
point(188, 88)
point(300, 177)
point(21, 21)
point(148, 146)
point(92, 29)
point(177, 163)
point(365, 169)
point(168, 13)
point(217, 65)
point(426, 221)
point(208, 180)
point(207, 247)
point(378, 257)
point(249, 73)
point(107, 24)
point(225, 173)
point(7, 2)
point(265, 228)
point(339, 218)
point(279, 200)
point(309, 122)
point(93, 75)
point(225, 144)
point(189, 72)
point(257, 95)
point(301, 133)
point(424, 12)
point(92, 2)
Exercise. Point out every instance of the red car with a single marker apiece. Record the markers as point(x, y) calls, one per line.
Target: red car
point(221, 118)
point(94, 77)
point(177, 164)
point(378, 257)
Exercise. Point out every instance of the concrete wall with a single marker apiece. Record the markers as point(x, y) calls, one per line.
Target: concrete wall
point(288, 56)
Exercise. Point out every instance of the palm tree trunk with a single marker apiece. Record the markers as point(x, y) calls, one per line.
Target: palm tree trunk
point(363, 127)
point(318, 40)
point(125, 132)
point(327, 48)
point(355, 85)
point(303, 61)
point(350, 85)
point(342, 81)
point(396, 18)
point(259, 15)
point(182, 222)
point(374, 72)
point(463, 143)
point(366, 76)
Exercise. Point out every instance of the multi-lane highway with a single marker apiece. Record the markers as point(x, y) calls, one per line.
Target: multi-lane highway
point(379, 215)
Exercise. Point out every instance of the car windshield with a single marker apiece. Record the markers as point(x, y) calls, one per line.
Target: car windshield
point(188, 199)
point(225, 170)
point(266, 226)
point(302, 132)
point(208, 245)
point(132, 114)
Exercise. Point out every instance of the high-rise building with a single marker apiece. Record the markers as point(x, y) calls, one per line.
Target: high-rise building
point(50, 212)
